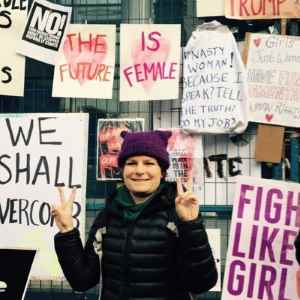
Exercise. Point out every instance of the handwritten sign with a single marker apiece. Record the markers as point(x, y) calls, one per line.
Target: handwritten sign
point(12, 66)
point(44, 31)
point(109, 144)
point(149, 62)
point(85, 67)
point(223, 162)
point(15, 270)
point(274, 79)
point(262, 9)
point(214, 92)
point(261, 261)
point(207, 8)
point(39, 152)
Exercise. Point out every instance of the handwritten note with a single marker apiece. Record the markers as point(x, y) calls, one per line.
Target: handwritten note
point(39, 152)
point(214, 95)
point(85, 67)
point(12, 66)
point(149, 62)
point(274, 79)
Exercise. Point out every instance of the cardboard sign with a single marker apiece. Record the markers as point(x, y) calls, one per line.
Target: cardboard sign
point(215, 96)
point(262, 9)
point(149, 62)
point(12, 65)
point(44, 31)
point(109, 144)
point(39, 152)
point(269, 143)
point(85, 67)
point(274, 79)
point(207, 8)
point(261, 261)
point(15, 272)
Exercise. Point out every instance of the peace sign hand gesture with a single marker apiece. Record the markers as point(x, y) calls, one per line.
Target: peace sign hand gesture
point(186, 202)
point(62, 211)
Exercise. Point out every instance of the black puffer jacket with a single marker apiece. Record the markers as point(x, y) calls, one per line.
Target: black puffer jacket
point(149, 258)
point(297, 246)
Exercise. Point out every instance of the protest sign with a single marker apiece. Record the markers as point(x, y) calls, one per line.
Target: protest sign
point(85, 67)
point(215, 96)
point(109, 144)
point(186, 158)
point(38, 153)
point(274, 79)
point(12, 65)
point(15, 268)
point(149, 62)
point(214, 238)
point(262, 9)
point(261, 261)
point(223, 162)
point(207, 8)
point(46, 26)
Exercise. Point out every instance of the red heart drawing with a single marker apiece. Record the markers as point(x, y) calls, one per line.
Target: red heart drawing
point(269, 117)
point(148, 56)
point(87, 55)
point(257, 42)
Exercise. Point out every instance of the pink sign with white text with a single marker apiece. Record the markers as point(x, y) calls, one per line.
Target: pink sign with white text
point(86, 64)
point(149, 62)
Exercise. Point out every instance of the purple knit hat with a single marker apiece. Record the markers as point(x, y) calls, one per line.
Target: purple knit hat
point(149, 143)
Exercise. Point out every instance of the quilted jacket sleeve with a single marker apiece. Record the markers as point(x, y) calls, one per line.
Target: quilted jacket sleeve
point(81, 266)
point(297, 246)
point(197, 266)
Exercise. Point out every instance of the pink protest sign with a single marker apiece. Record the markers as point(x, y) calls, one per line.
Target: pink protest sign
point(186, 158)
point(262, 9)
point(261, 261)
point(86, 63)
point(149, 62)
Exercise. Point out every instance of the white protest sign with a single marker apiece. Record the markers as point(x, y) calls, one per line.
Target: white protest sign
point(149, 62)
point(214, 238)
point(47, 24)
point(224, 161)
point(261, 261)
point(215, 96)
point(85, 67)
point(207, 8)
point(262, 9)
point(38, 153)
point(274, 79)
point(12, 65)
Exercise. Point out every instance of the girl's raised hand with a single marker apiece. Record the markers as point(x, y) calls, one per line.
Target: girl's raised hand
point(186, 202)
point(62, 210)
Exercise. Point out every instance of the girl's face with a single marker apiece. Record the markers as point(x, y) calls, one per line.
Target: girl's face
point(142, 175)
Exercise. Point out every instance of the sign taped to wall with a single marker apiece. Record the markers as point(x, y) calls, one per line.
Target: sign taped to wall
point(38, 153)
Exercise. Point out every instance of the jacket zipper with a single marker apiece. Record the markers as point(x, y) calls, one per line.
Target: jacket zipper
point(125, 280)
